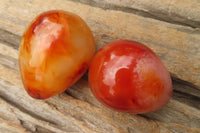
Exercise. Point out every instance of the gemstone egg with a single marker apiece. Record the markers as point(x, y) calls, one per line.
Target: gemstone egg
point(128, 76)
point(55, 51)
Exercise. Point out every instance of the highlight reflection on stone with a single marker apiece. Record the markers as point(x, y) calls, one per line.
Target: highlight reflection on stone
point(55, 52)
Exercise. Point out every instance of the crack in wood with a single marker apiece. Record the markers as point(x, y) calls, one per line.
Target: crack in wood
point(22, 124)
point(107, 6)
point(29, 125)
point(43, 118)
point(9, 62)
point(184, 83)
point(188, 99)
point(22, 109)
point(9, 38)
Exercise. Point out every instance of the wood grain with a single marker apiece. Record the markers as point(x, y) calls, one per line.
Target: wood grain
point(174, 35)
point(184, 12)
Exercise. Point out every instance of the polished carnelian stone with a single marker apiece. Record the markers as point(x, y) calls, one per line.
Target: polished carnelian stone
point(129, 77)
point(55, 52)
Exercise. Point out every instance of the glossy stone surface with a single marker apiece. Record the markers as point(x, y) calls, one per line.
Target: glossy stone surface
point(129, 77)
point(55, 52)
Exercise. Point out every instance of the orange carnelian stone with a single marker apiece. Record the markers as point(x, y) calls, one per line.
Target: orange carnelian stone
point(55, 52)
point(129, 77)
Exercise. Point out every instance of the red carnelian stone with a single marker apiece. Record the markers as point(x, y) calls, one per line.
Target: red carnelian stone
point(55, 52)
point(129, 77)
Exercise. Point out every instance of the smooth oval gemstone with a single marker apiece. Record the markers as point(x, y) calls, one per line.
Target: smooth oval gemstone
point(129, 77)
point(55, 51)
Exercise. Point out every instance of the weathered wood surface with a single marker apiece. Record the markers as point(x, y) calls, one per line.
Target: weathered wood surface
point(170, 28)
